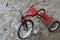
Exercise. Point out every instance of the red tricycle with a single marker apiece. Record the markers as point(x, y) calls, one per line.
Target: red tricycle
point(27, 25)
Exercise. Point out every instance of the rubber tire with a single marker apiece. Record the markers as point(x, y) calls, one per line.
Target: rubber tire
point(22, 25)
point(42, 10)
point(50, 25)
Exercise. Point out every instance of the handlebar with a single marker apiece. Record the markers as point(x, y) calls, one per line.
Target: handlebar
point(33, 5)
point(14, 10)
point(26, 9)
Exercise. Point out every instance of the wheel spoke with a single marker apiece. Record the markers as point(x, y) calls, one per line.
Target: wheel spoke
point(55, 26)
point(24, 33)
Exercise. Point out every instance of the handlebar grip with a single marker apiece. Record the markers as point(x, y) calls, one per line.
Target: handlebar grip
point(33, 4)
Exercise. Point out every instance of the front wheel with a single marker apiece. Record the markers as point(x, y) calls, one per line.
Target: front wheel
point(23, 34)
point(53, 26)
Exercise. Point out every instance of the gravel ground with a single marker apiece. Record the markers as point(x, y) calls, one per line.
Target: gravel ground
point(9, 20)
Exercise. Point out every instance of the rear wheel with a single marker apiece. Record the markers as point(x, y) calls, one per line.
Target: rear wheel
point(23, 34)
point(54, 26)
